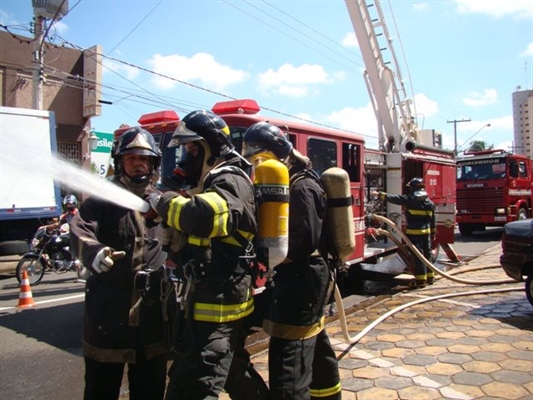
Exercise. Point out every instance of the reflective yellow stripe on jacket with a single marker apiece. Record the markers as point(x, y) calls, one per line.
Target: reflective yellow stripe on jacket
point(220, 313)
point(210, 204)
point(425, 231)
point(424, 213)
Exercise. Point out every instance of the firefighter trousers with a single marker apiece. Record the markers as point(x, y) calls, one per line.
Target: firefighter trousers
point(202, 365)
point(423, 244)
point(303, 369)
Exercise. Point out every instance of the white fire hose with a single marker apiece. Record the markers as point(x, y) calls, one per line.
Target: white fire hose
point(340, 307)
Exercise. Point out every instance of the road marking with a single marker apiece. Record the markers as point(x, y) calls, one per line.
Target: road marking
point(48, 301)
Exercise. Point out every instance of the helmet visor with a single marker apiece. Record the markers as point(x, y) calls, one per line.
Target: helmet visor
point(140, 152)
point(183, 135)
point(249, 149)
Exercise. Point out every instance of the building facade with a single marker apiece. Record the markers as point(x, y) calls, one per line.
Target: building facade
point(523, 119)
point(62, 88)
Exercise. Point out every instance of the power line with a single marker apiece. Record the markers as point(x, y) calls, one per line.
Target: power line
point(455, 122)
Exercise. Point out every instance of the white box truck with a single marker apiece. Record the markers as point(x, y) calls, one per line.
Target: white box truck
point(27, 199)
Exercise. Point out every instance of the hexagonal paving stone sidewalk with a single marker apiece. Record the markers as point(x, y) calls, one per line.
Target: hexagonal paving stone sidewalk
point(478, 346)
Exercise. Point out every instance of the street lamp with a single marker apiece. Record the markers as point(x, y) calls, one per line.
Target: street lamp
point(92, 141)
point(471, 137)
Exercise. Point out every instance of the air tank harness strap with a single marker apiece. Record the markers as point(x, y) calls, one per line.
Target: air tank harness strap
point(186, 307)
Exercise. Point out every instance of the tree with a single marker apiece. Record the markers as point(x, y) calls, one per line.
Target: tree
point(479, 145)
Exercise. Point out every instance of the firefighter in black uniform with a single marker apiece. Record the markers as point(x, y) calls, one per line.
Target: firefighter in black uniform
point(420, 218)
point(124, 321)
point(302, 363)
point(218, 219)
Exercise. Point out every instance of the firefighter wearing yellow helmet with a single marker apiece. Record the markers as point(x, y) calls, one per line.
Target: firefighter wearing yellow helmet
point(302, 363)
point(218, 219)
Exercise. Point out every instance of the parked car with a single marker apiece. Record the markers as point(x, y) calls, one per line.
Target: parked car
point(517, 253)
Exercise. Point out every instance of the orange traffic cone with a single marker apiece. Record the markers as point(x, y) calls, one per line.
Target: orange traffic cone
point(25, 296)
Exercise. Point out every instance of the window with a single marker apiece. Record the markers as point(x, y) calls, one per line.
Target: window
point(522, 169)
point(351, 161)
point(322, 153)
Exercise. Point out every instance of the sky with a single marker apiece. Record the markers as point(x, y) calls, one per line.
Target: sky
point(459, 59)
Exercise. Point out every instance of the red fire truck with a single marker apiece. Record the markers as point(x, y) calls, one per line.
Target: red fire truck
point(368, 169)
point(493, 188)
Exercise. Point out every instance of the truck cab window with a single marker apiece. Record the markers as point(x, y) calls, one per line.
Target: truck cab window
point(522, 169)
point(322, 153)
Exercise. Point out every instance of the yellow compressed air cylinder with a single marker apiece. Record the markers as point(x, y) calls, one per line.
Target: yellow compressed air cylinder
point(271, 183)
point(339, 216)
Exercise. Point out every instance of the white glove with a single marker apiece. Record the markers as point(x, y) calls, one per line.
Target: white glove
point(170, 236)
point(105, 259)
point(153, 199)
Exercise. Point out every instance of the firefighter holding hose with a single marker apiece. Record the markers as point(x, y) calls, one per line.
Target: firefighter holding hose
point(218, 221)
point(420, 218)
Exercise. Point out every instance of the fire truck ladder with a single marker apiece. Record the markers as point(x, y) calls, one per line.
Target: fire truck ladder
point(386, 89)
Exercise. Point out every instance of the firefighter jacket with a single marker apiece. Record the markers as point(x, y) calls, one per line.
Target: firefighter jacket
point(220, 224)
point(300, 285)
point(419, 212)
point(118, 321)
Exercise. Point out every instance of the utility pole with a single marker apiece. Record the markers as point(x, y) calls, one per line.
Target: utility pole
point(38, 73)
point(455, 122)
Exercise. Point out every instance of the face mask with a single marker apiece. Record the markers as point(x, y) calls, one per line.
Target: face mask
point(192, 166)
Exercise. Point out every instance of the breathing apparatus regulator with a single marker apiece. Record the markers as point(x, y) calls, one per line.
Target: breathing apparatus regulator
point(210, 134)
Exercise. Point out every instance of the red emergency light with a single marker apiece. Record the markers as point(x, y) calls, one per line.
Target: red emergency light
point(244, 106)
point(159, 117)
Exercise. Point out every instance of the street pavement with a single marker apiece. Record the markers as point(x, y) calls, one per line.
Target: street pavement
point(477, 346)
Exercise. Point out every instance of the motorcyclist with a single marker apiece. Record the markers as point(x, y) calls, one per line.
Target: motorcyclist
point(70, 203)
point(302, 362)
point(421, 228)
point(219, 223)
point(128, 299)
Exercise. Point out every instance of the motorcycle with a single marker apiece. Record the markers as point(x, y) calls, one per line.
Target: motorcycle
point(49, 251)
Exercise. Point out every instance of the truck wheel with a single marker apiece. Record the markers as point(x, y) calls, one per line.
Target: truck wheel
point(12, 247)
point(522, 213)
point(466, 229)
point(529, 288)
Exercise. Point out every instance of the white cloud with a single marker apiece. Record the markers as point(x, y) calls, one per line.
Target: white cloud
point(361, 120)
point(293, 81)
point(425, 106)
point(61, 27)
point(350, 40)
point(489, 96)
point(121, 69)
point(420, 7)
point(201, 67)
point(528, 52)
point(519, 9)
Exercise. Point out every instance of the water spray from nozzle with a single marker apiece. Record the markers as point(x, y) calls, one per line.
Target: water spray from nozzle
point(72, 176)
